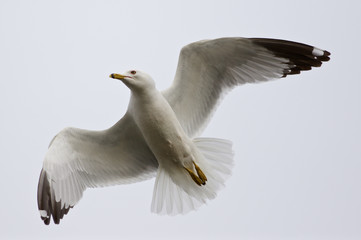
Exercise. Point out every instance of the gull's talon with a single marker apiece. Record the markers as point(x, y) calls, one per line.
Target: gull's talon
point(201, 178)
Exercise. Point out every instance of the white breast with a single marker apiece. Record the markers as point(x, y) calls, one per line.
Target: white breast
point(160, 127)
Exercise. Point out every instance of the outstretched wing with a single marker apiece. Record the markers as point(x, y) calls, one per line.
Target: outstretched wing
point(208, 69)
point(78, 159)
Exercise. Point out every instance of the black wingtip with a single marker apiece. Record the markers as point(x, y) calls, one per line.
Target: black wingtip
point(46, 221)
point(300, 57)
point(324, 58)
point(47, 203)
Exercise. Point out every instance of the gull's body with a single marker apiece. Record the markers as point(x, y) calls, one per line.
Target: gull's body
point(158, 134)
point(159, 125)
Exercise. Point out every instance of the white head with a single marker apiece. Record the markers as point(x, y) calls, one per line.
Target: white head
point(135, 80)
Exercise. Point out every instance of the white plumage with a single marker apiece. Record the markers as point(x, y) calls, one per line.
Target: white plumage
point(159, 134)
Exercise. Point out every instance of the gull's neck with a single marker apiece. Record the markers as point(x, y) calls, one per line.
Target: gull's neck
point(145, 94)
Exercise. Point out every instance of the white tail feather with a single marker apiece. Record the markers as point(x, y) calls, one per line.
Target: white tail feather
point(176, 193)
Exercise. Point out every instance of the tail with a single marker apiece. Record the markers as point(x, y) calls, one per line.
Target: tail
point(175, 192)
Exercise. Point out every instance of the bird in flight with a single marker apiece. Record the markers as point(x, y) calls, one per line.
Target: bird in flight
point(159, 134)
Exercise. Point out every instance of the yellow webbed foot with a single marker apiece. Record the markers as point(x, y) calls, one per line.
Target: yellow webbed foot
point(201, 175)
point(199, 178)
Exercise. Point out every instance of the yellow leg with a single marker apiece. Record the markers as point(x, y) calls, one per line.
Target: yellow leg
point(200, 178)
point(201, 175)
point(195, 178)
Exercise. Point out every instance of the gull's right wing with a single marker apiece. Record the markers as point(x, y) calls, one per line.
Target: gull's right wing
point(78, 159)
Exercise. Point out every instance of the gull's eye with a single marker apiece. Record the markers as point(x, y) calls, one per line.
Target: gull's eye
point(133, 72)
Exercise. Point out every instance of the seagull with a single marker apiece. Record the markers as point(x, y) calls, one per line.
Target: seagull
point(159, 135)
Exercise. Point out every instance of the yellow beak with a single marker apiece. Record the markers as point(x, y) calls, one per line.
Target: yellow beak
point(117, 76)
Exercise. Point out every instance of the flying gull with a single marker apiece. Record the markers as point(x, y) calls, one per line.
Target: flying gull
point(159, 134)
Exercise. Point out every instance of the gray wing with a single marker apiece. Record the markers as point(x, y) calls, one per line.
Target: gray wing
point(78, 159)
point(208, 69)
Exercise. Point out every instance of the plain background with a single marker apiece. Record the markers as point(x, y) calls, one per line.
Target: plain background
point(297, 140)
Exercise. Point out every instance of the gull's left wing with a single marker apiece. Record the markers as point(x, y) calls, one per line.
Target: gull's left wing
point(208, 69)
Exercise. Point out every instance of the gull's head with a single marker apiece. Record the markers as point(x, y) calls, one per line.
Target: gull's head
point(135, 79)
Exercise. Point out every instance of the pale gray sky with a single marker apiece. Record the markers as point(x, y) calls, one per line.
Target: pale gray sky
point(297, 140)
